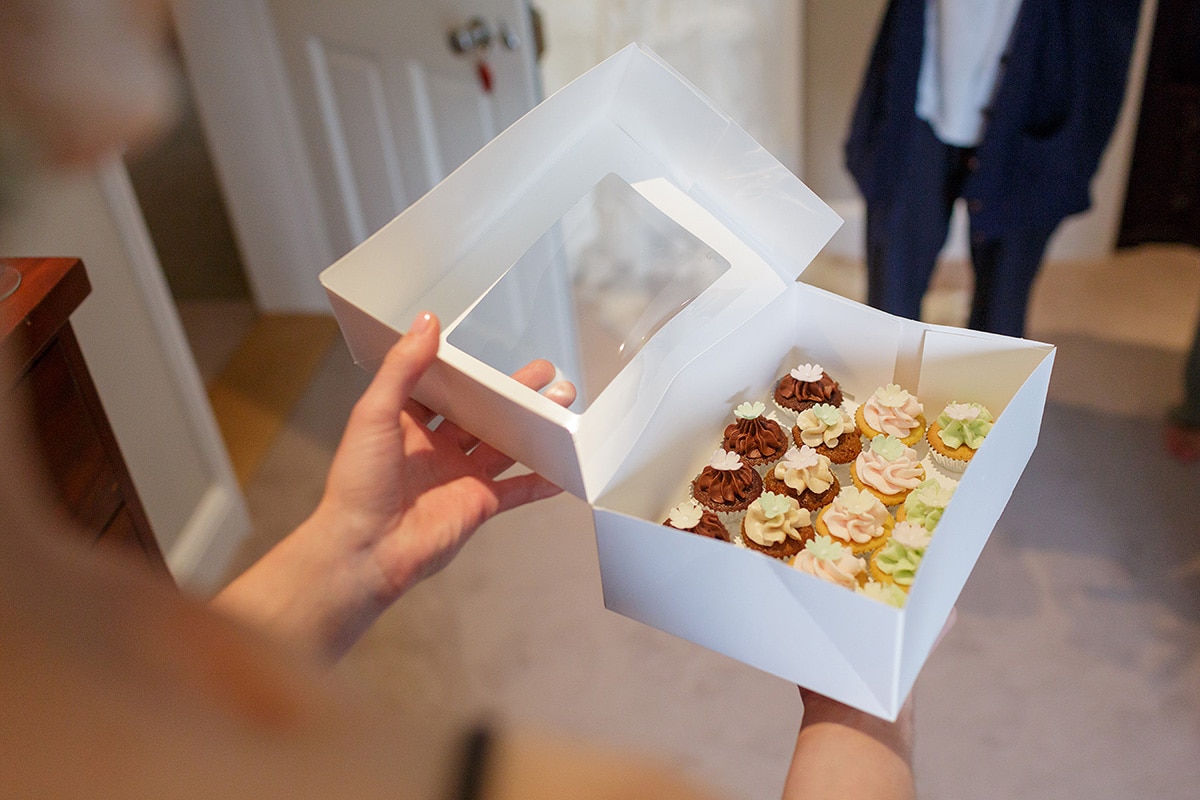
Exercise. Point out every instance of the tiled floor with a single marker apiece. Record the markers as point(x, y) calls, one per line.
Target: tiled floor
point(1073, 671)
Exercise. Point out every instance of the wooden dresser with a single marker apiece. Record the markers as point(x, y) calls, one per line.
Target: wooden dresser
point(77, 442)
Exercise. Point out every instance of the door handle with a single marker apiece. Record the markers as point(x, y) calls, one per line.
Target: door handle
point(472, 37)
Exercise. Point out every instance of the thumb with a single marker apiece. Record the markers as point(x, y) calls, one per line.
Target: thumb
point(402, 367)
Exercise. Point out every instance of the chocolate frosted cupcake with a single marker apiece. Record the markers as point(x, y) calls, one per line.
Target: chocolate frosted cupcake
point(805, 386)
point(692, 517)
point(726, 485)
point(776, 525)
point(805, 475)
point(757, 439)
point(830, 431)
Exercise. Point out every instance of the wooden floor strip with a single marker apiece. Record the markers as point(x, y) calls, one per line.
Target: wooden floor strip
point(254, 394)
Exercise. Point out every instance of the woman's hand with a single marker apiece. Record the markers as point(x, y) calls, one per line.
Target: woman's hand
point(400, 501)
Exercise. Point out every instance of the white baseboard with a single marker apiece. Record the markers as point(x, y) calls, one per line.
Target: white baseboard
point(206, 546)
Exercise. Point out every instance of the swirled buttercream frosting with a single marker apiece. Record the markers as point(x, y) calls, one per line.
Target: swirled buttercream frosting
point(964, 423)
point(829, 560)
point(805, 385)
point(893, 411)
point(888, 466)
point(884, 593)
point(855, 516)
point(772, 518)
point(925, 504)
point(805, 469)
point(691, 516)
point(726, 484)
point(824, 424)
point(758, 439)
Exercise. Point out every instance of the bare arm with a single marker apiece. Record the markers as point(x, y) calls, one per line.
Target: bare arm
point(399, 503)
point(848, 754)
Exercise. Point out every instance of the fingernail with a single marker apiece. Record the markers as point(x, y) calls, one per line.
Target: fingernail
point(421, 323)
point(559, 391)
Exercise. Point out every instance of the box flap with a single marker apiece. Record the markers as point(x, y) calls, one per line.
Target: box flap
point(632, 117)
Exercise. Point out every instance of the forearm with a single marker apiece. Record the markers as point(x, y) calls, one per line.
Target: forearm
point(847, 754)
point(307, 592)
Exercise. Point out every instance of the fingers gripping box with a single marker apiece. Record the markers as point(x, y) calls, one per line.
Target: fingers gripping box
point(634, 235)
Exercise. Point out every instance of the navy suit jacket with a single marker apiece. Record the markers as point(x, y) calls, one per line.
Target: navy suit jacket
point(1056, 101)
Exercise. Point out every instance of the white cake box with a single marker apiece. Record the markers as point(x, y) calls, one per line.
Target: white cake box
point(495, 251)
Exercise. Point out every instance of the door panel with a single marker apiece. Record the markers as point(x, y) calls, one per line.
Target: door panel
point(386, 107)
point(362, 141)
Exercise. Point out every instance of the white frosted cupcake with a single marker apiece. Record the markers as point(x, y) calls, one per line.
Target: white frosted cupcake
point(830, 431)
point(776, 525)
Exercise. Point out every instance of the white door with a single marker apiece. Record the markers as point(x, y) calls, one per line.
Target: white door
point(388, 107)
point(326, 119)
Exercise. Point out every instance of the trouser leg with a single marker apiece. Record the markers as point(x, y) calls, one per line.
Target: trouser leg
point(1189, 412)
point(905, 234)
point(1005, 267)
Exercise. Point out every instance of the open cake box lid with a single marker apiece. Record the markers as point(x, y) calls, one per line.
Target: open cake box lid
point(485, 250)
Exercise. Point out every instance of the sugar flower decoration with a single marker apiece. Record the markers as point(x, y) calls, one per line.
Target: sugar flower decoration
point(750, 410)
point(808, 372)
point(726, 460)
point(829, 415)
point(686, 515)
point(856, 501)
point(824, 548)
point(963, 412)
point(803, 458)
point(910, 535)
point(892, 396)
point(889, 447)
point(774, 505)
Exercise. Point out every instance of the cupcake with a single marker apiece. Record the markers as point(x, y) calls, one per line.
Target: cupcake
point(897, 561)
point(805, 475)
point(828, 430)
point(757, 439)
point(925, 504)
point(692, 517)
point(893, 411)
point(957, 433)
point(857, 519)
point(776, 525)
point(831, 561)
point(888, 593)
point(887, 469)
point(804, 387)
point(726, 485)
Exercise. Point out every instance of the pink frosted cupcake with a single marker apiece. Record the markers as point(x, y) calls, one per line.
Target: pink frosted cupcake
point(806, 475)
point(726, 485)
point(857, 519)
point(888, 470)
point(757, 439)
point(831, 561)
point(892, 411)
